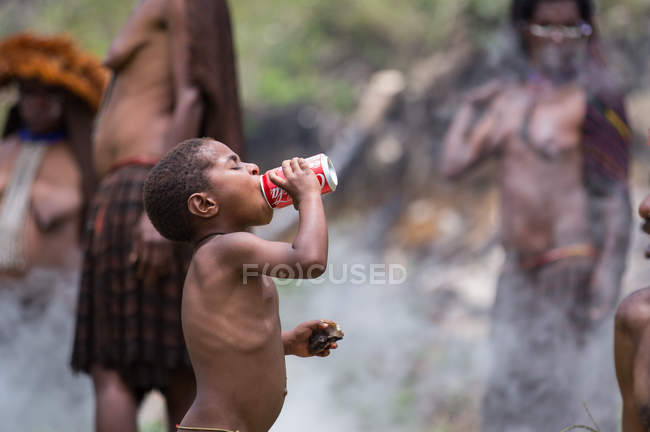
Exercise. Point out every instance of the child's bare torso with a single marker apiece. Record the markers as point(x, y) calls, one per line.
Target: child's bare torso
point(233, 334)
point(544, 202)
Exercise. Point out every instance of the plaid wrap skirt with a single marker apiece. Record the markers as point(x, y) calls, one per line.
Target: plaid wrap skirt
point(124, 324)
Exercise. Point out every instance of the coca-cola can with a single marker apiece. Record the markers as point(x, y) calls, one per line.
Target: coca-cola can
point(321, 165)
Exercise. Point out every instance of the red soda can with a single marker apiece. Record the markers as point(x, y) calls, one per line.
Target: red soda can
point(321, 165)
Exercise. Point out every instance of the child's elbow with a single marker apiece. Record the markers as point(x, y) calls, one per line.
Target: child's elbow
point(315, 267)
point(316, 271)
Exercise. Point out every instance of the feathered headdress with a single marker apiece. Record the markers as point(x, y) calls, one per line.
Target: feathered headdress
point(53, 60)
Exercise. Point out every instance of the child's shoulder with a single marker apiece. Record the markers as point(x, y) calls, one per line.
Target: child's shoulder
point(231, 245)
point(234, 240)
point(223, 251)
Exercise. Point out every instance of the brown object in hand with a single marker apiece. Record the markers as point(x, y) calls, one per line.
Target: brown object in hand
point(321, 339)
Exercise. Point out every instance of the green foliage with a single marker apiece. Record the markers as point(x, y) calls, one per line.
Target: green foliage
point(93, 23)
point(317, 51)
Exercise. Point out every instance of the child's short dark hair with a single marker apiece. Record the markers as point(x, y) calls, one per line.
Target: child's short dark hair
point(169, 185)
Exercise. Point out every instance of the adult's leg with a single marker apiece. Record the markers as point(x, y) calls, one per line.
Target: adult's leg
point(179, 396)
point(502, 405)
point(632, 357)
point(529, 388)
point(116, 405)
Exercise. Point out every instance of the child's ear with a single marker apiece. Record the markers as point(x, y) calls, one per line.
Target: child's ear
point(202, 205)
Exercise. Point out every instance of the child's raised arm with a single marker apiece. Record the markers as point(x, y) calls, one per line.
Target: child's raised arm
point(306, 257)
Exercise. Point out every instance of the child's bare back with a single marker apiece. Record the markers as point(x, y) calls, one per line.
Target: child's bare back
point(201, 192)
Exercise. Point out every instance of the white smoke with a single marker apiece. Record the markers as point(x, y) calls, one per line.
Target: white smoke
point(416, 356)
point(400, 360)
point(38, 391)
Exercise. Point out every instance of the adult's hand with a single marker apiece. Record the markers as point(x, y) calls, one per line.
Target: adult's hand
point(484, 93)
point(151, 252)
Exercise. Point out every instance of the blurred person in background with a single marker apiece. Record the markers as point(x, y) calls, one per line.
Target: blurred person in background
point(174, 77)
point(46, 175)
point(632, 349)
point(46, 183)
point(560, 135)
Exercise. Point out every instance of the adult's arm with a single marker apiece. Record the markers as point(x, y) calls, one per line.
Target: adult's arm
point(188, 107)
point(606, 146)
point(472, 136)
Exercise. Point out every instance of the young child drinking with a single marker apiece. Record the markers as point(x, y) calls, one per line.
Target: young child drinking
point(200, 192)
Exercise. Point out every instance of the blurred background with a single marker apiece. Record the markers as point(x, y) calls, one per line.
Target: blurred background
point(374, 84)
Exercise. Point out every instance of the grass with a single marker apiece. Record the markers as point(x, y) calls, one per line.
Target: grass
point(583, 427)
point(157, 426)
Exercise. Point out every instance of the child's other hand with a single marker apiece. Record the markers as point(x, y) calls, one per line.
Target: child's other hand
point(300, 180)
point(296, 341)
